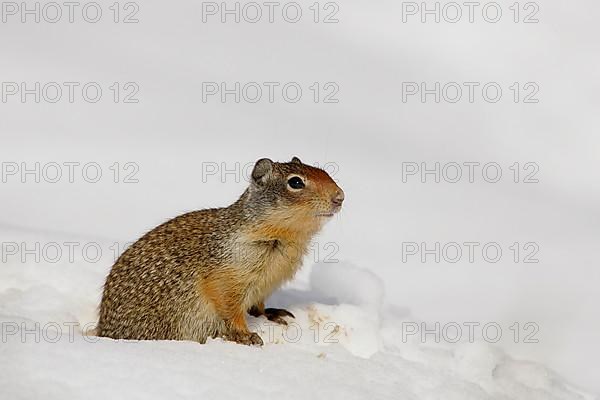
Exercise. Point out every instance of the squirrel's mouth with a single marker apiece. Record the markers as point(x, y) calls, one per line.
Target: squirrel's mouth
point(324, 214)
point(329, 214)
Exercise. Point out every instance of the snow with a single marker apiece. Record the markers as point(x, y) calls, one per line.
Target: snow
point(170, 135)
point(346, 342)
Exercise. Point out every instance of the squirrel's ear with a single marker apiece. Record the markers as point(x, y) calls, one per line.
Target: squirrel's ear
point(262, 170)
point(296, 160)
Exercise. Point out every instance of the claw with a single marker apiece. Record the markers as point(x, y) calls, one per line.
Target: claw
point(277, 314)
point(247, 338)
point(277, 319)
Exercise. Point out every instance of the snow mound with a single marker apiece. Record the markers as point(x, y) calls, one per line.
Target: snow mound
point(345, 342)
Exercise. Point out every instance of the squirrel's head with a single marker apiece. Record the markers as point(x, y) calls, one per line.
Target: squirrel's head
point(294, 192)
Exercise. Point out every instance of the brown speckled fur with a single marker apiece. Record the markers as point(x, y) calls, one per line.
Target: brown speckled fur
point(197, 275)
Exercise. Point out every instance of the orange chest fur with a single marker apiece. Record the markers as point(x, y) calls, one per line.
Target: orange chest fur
point(268, 265)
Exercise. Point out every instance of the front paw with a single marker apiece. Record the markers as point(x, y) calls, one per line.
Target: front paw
point(277, 315)
point(247, 338)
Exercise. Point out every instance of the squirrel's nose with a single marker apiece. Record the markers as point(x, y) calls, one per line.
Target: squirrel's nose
point(338, 199)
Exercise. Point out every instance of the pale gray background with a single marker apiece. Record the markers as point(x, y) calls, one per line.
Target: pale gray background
point(170, 133)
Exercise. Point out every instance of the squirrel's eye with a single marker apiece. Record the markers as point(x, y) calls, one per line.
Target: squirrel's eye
point(296, 182)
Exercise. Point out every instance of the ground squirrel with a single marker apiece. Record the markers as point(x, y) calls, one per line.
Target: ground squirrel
point(197, 275)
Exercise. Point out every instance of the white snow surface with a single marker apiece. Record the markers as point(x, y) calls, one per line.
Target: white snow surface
point(346, 342)
point(171, 135)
